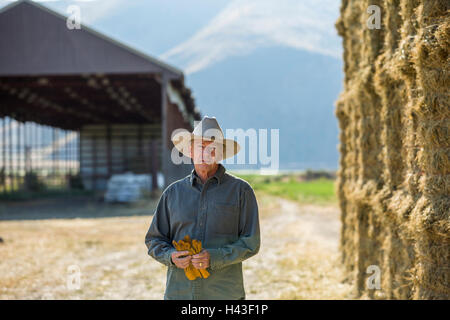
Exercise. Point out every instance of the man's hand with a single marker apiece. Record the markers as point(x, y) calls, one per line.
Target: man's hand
point(201, 260)
point(180, 261)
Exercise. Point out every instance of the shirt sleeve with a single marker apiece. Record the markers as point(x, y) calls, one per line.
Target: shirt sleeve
point(248, 243)
point(157, 239)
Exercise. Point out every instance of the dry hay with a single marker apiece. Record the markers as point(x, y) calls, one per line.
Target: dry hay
point(394, 170)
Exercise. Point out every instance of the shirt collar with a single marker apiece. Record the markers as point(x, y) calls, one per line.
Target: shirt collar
point(218, 175)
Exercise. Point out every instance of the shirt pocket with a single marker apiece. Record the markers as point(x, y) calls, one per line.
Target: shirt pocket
point(225, 218)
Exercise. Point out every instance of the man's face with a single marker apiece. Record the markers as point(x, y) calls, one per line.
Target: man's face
point(203, 153)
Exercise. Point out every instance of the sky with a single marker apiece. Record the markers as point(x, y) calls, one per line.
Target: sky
point(241, 57)
point(194, 35)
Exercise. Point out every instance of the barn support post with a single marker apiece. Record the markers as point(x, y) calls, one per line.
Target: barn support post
point(78, 153)
point(66, 159)
point(108, 149)
point(154, 163)
point(17, 171)
point(10, 144)
point(124, 153)
point(34, 146)
point(140, 151)
point(3, 176)
point(27, 149)
point(164, 133)
point(2, 169)
point(53, 179)
point(94, 163)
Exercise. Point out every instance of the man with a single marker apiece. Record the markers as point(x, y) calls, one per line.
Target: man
point(209, 205)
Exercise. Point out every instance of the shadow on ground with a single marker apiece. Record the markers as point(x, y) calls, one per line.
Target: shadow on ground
point(71, 207)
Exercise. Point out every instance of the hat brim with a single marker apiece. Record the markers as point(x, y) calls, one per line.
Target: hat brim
point(182, 141)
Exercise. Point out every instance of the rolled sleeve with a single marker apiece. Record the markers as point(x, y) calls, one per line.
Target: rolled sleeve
point(249, 235)
point(157, 239)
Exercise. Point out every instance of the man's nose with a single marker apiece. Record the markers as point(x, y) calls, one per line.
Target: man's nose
point(207, 153)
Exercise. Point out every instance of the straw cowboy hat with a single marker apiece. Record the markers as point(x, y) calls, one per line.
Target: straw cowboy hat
point(208, 129)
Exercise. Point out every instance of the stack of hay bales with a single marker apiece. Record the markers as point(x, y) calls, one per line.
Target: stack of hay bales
point(394, 172)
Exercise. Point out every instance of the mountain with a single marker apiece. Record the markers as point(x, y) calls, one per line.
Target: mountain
point(277, 88)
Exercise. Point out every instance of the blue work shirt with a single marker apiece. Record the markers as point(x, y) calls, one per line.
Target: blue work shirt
point(223, 215)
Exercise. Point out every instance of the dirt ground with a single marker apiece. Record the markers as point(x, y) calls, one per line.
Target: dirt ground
point(46, 241)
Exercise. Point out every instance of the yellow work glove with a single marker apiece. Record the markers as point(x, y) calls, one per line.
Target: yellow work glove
point(194, 247)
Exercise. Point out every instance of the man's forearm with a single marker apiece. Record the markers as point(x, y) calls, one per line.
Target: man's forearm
point(236, 252)
point(160, 250)
point(157, 238)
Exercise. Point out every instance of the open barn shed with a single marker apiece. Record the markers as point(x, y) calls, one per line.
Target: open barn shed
point(114, 105)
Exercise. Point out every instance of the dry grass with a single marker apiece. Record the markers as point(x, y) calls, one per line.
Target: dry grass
point(299, 253)
point(298, 257)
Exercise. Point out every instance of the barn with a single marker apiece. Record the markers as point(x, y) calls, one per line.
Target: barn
point(76, 102)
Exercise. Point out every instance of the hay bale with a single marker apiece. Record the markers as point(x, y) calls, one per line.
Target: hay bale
point(393, 181)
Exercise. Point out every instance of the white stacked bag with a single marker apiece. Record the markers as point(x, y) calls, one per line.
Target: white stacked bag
point(130, 187)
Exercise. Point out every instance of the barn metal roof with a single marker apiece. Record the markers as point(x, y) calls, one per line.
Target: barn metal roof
point(36, 40)
point(66, 78)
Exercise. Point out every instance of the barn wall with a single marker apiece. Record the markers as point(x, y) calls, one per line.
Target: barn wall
point(127, 153)
point(394, 171)
point(130, 151)
point(175, 121)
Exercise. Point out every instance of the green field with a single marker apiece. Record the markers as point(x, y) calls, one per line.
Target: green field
point(317, 191)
